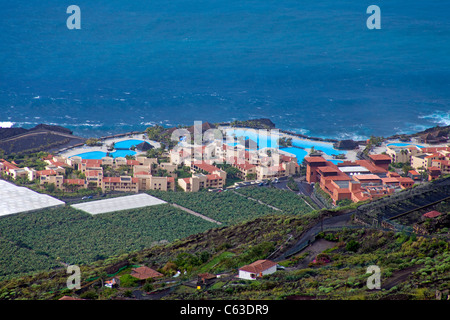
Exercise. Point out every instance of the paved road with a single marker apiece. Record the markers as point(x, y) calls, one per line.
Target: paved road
point(336, 221)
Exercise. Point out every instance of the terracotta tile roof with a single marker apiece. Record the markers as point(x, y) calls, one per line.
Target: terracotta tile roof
point(207, 276)
point(206, 167)
point(8, 165)
point(393, 174)
point(405, 180)
point(432, 214)
point(213, 177)
point(328, 169)
point(390, 180)
point(258, 266)
point(133, 163)
point(144, 272)
point(379, 157)
point(187, 180)
point(45, 173)
point(314, 159)
point(369, 166)
point(434, 155)
point(74, 181)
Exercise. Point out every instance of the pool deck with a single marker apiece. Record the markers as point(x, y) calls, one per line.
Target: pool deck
point(75, 151)
point(350, 154)
point(383, 146)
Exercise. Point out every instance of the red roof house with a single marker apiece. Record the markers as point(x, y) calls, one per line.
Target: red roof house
point(257, 269)
point(432, 214)
point(144, 272)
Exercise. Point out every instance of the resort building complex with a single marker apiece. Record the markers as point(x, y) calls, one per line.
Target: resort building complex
point(139, 173)
point(434, 160)
point(207, 166)
point(355, 180)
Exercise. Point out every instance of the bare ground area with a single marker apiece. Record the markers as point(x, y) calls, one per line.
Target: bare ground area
point(398, 277)
point(313, 250)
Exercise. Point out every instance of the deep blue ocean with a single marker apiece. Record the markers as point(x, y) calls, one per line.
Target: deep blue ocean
point(310, 66)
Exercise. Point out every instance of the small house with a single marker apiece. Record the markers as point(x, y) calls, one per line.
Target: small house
point(257, 269)
point(113, 283)
point(205, 279)
point(143, 273)
point(432, 214)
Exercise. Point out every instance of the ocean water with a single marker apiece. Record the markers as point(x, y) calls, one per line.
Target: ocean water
point(311, 66)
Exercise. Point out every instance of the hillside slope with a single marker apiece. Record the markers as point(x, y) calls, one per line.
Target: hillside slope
point(333, 267)
point(40, 138)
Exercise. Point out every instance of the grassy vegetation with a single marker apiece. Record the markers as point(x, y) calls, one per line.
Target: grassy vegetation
point(287, 201)
point(412, 267)
point(216, 250)
point(226, 207)
point(68, 235)
point(50, 236)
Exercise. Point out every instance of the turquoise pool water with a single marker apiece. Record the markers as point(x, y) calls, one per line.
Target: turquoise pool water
point(127, 144)
point(402, 144)
point(326, 148)
point(262, 140)
point(273, 142)
point(122, 153)
point(97, 155)
point(299, 153)
point(124, 147)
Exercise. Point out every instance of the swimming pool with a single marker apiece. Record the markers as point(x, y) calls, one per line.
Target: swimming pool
point(403, 144)
point(264, 141)
point(272, 141)
point(336, 161)
point(127, 144)
point(97, 155)
point(91, 155)
point(326, 148)
point(299, 153)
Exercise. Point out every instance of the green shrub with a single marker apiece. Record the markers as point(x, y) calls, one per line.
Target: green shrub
point(128, 281)
point(352, 245)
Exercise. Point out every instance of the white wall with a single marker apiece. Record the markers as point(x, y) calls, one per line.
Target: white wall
point(247, 275)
